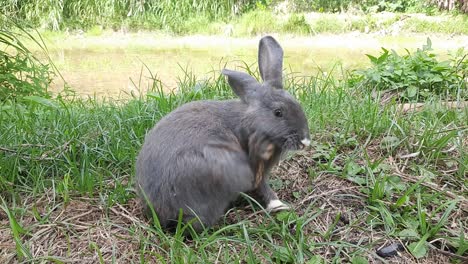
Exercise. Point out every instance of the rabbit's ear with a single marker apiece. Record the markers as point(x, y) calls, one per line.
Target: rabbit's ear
point(270, 62)
point(241, 83)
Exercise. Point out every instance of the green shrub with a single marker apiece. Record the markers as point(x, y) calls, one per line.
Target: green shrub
point(363, 23)
point(94, 31)
point(365, 5)
point(328, 24)
point(21, 73)
point(416, 76)
point(195, 24)
point(297, 24)
point(450, 25)
point(257, 22)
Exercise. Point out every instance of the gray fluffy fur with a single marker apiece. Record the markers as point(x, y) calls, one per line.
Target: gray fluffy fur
point(202, 155)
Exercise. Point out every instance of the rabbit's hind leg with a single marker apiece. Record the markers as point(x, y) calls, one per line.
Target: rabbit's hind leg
point(213, 179)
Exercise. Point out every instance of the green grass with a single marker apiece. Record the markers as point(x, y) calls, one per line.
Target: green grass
point(60, 155)
point(265, 21)
point(21, 72)
point(447, 24)
point(86, 14)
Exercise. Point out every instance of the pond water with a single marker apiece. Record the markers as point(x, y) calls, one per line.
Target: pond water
point(115, 65)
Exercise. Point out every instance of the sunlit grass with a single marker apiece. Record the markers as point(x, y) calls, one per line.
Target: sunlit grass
point(72, 148)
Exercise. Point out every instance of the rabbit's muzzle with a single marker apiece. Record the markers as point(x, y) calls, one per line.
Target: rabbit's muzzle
point(294, 142)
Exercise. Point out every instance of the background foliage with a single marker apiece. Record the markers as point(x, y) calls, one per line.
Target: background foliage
point(417, 76)
point(173, 14)
point(21, 72)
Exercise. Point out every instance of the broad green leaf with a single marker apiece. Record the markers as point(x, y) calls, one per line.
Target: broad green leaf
point(383, 57)
point(408, 233)
point(316, 259)
point(412, 91)
point(359, 260)
point(357, 179)
point(282, 254)
point(390, 141)
point(418, 249)
point(276, 184)
point(353, 168)
point(372, 58)
point(6, 108)
point(286, 215)
point(375, 77)
point(41, 101)
point(428, 45)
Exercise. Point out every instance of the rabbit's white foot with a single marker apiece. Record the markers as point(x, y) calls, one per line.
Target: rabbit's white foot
point(277, 205)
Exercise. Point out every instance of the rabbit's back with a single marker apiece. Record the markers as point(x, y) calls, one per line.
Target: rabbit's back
point(192, 160)
point(189, 128)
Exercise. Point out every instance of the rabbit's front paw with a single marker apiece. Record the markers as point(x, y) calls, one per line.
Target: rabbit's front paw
point(277, 205)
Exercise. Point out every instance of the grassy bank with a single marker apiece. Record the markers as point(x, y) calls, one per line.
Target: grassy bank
point(299, 24)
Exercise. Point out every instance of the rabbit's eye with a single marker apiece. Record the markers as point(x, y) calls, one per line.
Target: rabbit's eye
point(278, 113)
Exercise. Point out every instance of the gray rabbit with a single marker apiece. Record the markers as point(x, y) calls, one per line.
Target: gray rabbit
point(200, 157)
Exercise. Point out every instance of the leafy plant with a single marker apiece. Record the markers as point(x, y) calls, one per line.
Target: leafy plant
point(21, 73)
point(56, 15)
point(365, 5)
point(297, 24)
point(415, 76)
point(257, 22)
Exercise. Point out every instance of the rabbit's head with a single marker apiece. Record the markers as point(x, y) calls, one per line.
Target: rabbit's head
point(270, 110)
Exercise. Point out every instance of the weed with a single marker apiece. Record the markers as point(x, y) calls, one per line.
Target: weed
point(416, 76)
point(22, 73)
point(297, 24)
point(445, 24)
point(328, 24)
point(256, 22)
point(94, 31)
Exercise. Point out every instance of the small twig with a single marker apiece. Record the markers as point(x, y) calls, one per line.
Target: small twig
point(310, 197)
point(7, 150)
point(454, 147)
point(62, 148)
point(77, 216)
point(417, 106)
point(45, 156)
point(448, 253)
point(132, 219)
point(219, 253)
point(254, 213)
point(404, 166)
point(408, 156)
